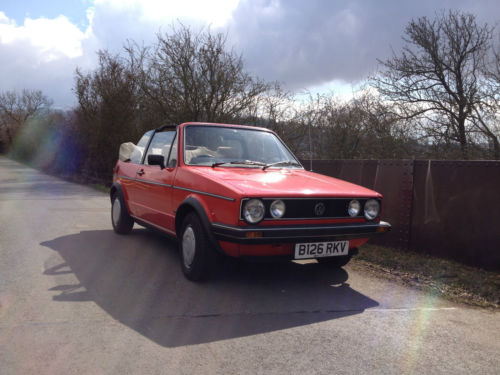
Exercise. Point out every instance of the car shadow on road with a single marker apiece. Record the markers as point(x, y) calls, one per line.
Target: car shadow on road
point(138, 281)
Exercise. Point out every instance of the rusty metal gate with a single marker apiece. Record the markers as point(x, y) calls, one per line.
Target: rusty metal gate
point(444, 208)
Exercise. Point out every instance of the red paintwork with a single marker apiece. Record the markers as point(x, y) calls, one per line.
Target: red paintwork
point(158, 204)
point(253, 182)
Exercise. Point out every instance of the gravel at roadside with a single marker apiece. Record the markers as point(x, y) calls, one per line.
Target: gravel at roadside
point(444, 278)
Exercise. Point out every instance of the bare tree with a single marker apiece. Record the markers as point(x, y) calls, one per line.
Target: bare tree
point(277, 109)
point(16, 108)
point(191, 76)
point(488, 114)
point(107, 112)
point(185, 76)
point(362, 128)
point(437, 77)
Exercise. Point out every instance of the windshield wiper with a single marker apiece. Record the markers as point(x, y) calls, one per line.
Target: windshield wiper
point(285, 162)
point(244, 162)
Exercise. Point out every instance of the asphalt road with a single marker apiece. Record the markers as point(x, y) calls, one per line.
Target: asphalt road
point(77, 298)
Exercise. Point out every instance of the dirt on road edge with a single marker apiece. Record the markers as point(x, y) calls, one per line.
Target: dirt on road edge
point(440, 277)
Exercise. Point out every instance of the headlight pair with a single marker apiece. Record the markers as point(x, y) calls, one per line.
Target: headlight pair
point(372, 208)
point(254, 210)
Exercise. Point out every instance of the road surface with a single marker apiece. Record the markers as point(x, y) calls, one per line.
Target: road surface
point(75, 298)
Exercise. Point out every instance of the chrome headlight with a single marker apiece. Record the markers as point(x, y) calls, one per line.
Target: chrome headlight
point(253, 211)
point(354, 208)
point(372, 209)
point(277, 209)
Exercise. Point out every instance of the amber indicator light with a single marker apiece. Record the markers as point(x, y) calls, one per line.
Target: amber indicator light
point(253, 234)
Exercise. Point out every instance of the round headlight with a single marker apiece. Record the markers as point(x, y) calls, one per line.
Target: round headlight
point(277, 209)
point(253, 211)
point(372, 209)
point(354, 208)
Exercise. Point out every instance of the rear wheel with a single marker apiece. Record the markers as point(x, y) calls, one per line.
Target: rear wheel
point(335, 262)
point(120, 218)
point(197, 255)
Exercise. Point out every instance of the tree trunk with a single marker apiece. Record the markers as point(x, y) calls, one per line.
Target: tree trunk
point(496, 147)
point(462, 138)
point(9, 137)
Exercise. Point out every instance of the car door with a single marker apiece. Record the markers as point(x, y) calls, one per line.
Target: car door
point(154, 182)
point(127, 172)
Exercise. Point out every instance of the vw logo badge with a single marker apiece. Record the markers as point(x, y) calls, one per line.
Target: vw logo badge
point(319, 209)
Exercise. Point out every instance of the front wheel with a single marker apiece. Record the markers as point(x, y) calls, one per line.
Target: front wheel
point(197, 255)
point(335, 262)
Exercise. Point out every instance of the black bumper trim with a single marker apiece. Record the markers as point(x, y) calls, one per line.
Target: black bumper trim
point(298, 233)
point(284, 258)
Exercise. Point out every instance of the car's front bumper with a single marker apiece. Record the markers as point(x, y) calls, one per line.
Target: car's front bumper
point(295, 233)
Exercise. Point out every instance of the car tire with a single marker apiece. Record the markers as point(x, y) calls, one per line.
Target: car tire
point(335, 262)
point(197, 255)
point(120, 218)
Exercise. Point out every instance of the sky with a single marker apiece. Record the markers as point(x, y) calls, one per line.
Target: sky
point(315, 45)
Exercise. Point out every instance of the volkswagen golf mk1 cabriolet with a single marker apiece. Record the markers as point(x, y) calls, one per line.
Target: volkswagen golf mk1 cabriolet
point(239, 191)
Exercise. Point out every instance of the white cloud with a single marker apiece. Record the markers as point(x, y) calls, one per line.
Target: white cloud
point(307, 44)
point(43, 53)
point(3, 18)
point(314, 44)
point(51, 38)
point(216, 13)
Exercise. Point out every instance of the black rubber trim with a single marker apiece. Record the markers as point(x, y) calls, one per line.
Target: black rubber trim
point(205, 193)
point(297, 233)
point(156, 227)
point(278, 258)
point(166, 126)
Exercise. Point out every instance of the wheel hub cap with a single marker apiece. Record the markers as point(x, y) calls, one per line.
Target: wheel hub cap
point(188, 246)
point(116, 210)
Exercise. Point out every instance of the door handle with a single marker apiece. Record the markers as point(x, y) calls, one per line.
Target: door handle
point(140, 172)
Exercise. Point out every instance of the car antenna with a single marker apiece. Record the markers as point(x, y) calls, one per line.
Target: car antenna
point(310, 150)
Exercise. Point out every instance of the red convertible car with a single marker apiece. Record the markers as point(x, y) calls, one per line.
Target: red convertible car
point(238, 191)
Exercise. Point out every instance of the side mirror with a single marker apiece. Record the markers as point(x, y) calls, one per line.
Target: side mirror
point(156, 160)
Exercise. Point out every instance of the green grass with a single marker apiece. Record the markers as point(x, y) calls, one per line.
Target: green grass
point(100, 187)
point(441, 277)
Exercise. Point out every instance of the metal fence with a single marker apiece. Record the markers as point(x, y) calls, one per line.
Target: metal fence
point(444, 208)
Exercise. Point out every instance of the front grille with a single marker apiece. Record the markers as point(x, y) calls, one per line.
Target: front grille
point(307, 208)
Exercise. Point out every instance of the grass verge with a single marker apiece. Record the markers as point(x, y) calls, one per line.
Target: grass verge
point(100, 187)
point(441, 277)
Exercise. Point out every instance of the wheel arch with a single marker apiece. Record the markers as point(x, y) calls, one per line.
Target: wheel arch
point(115, 188)
point(191, 204)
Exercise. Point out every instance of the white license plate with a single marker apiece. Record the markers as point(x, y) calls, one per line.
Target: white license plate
point(321, 249)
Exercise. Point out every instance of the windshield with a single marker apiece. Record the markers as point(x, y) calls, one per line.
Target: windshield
point(235, 147)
